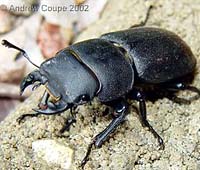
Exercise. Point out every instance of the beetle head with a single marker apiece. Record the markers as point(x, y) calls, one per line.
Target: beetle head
point(30, 79)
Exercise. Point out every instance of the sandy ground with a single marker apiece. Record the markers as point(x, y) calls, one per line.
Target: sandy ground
point(132, 147)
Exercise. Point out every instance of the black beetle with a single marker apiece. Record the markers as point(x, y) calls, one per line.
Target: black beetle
point(117, 66)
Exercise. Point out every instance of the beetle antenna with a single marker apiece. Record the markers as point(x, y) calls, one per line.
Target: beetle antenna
point(10, 45)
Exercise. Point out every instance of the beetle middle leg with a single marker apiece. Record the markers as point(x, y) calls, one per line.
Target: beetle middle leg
point(143, 23)
point(120, 111)
point(139, 96)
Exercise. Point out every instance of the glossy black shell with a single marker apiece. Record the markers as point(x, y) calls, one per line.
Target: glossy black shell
point(68, 77)
point(110, 66)
point(94, 67)
point(157, 55)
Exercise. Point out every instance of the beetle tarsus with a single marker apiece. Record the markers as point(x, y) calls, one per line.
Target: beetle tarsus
point(70, 121)
point(195, 90)
point(120, 108)
point(86, 158)
point(179, 100)
point(139, 96)
point(145, 123)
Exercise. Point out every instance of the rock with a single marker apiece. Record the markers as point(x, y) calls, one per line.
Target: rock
point(57, 12)
point(131, 147)
point(53, 153)
point(66, 14)
point(10, 71)
point(6, 21)
point(108, 22)
point(23, 36)
point(79, 2)
point(30, 42)
point(52, 38)
point(90, 14)
point(7, 106)
point(10, 91)
point(9, 98)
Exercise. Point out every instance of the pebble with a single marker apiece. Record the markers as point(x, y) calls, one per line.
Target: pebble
point(6, 21)
point(53, 152)
point(51, 39)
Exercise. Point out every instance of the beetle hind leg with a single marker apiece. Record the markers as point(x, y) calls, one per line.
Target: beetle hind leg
point(139, 96)
point(174, 87)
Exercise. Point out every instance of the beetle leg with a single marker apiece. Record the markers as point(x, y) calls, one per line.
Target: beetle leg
point(22, 117)
point(139, 96)
point(181, 86)
point(120, 113)
point(143, 23)
point(178, 100)
point(70, 120)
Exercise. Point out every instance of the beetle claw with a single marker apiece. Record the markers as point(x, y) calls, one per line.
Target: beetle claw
point(52, 108)
point(48, 109)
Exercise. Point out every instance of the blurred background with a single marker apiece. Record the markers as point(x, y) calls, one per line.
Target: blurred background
point(41, 28)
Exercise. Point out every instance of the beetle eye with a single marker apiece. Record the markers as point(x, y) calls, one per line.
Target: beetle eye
point(85, 97)
point(31, 76)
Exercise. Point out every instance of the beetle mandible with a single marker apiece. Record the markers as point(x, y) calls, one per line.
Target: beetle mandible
point(117, 66)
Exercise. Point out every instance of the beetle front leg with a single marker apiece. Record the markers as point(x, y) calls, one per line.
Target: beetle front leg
point(139, 96)
point(120, 108)
point(70, 120)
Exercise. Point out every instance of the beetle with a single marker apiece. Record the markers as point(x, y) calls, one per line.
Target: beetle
point(117, 66)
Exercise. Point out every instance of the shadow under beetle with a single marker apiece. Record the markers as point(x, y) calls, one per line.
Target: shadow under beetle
point(115, 67)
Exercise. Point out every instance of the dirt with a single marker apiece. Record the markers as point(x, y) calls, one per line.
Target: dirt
point(131, 147)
